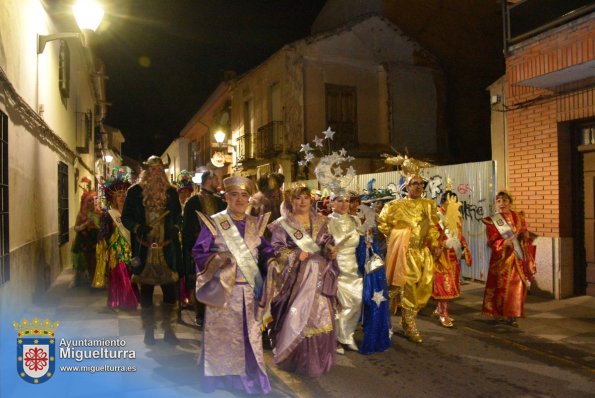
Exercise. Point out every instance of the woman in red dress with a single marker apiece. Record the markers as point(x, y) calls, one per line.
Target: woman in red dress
point(512, 264)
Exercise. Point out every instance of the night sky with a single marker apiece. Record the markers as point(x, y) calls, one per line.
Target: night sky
point(164, 58)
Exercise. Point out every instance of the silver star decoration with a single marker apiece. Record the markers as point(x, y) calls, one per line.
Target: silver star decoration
point(338, 171)
point(301, 163)
point(328, 133)
point(343, 152)
point(378, 297)
point(309, 156)
point(305, 147)
point(350, 172)
point(318, 141)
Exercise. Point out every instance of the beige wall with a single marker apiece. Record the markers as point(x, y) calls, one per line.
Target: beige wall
point(498, 130)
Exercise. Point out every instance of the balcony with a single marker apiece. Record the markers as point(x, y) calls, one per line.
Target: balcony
point(528, 18)
point(269, 140)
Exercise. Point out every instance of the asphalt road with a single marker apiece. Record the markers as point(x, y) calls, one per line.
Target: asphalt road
point(475, 359)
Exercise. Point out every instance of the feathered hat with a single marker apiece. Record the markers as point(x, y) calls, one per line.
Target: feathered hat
point(120, 179)
point(184, 181)
point(329, 171)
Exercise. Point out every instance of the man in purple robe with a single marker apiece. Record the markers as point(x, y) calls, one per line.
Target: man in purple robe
point(231, 258)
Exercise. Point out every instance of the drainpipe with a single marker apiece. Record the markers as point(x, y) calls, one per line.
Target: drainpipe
point(556, 266)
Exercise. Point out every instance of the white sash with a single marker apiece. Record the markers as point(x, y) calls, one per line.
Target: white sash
point(117, 218)
point(302, 239)
point(238, 248)
point(506, 232)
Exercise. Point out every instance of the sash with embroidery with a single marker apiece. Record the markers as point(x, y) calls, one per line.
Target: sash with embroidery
point(117, 218)
point(506, 232)
point(240, 251)
point(302, 239)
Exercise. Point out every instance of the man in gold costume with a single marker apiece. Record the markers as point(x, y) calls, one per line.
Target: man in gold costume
point(409, 225)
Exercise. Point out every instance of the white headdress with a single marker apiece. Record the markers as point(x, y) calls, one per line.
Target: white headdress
point(329, 171)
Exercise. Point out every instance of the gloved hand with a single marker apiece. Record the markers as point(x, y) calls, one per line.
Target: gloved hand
point(143, 230)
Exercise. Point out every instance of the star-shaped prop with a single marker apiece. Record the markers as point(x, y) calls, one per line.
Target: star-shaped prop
point(350, 172)
point(328, 133)
point(318, 141)
point(306, 148)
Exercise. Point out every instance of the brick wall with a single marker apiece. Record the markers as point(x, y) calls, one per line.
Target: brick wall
point(537, 160)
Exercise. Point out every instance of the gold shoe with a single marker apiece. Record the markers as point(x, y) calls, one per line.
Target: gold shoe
point(446, 322)
point(436, 314)
point(414, 336)
point(409, 327)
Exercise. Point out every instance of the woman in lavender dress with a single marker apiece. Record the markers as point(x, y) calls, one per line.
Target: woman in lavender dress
point(302, 331)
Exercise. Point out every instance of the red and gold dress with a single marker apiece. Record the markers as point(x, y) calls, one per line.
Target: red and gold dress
point(510, 273)
point(447, 268)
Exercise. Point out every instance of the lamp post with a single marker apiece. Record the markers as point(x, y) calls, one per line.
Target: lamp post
point(88, 15)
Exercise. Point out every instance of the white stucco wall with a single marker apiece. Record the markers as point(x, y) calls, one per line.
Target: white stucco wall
point(33, 156)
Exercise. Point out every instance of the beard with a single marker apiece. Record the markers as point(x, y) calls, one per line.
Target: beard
point(155, 188)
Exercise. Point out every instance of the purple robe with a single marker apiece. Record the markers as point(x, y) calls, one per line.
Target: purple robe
point(303, 329)
point(232, 354)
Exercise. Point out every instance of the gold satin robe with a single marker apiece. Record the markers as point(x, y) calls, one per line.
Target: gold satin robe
point(410, 228)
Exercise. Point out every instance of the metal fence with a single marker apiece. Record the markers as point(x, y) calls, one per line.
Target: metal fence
point(474, 184)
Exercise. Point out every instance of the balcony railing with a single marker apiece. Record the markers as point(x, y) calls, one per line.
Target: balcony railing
point(245, 147)
point(269, 140)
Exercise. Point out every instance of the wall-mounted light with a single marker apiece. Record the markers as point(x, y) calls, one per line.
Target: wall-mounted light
point(88, 15)
point(108, 158)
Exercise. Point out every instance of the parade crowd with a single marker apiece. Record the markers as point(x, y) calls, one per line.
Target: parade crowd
point(260, 261)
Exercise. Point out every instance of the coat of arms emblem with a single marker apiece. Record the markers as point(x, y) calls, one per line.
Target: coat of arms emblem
point(36, 350)
point(225, 225)
point(298, 234)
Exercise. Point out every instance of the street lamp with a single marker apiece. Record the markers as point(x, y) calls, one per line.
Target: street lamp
point(108, 158)
point(219, 137)
point(88, 15)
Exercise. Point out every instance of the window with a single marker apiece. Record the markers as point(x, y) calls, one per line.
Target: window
point(64, 70)
point(62, 203)
point(84, 129)
point(341, 114)
point(4, 243)
point(246, 141)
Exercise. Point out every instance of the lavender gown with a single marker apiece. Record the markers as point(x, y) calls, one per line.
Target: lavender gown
point(303, 330)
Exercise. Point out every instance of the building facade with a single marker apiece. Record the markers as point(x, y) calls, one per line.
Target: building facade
point(543, 124)
point(51, 101)
point(377, 89)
